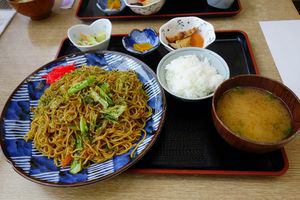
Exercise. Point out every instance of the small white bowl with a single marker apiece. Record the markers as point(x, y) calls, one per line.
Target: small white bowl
point(97, 26)
point(181, 24)
point(214, 59)
point(149, 9)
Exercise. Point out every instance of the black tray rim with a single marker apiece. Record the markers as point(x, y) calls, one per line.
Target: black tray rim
point(127, 17)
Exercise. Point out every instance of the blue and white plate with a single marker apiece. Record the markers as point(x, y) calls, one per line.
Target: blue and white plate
point(16, 120)
point(102, 5)
point(139, 37)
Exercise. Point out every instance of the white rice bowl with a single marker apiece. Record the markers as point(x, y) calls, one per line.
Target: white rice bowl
point(191, 77)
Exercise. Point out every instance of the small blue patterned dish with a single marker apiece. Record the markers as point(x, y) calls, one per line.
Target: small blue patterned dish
point(102, 5)
point(16, 118)
point(148, 35)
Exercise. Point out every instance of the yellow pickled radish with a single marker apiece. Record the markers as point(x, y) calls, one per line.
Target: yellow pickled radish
point(114, 4)
point(142, 47)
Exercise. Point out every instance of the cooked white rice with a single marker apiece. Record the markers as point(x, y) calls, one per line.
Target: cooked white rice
point(190, 77)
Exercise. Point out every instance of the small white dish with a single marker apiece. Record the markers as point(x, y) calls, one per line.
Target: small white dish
point(181, 24)
point(97, 26)
point(214, 59)
point(148, 9)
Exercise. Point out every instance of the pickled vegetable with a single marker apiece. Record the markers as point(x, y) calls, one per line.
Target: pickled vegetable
point(114, 4)
point(142, 47)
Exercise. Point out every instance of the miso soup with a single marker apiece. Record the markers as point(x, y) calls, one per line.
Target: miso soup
point(254, 114)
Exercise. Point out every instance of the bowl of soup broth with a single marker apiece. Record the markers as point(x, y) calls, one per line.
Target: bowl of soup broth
point(255, 113)
point(35, 9)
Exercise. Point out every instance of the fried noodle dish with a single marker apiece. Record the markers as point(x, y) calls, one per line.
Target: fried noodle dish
point(89, 116)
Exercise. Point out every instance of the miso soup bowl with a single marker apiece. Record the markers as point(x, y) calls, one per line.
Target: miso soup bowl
point(35, 9)
point(276, 88)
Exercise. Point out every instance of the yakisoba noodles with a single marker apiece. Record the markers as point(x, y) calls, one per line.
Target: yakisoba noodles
point(89, 116)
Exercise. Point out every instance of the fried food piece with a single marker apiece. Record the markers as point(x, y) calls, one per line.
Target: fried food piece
point(186, 42)
point(181, 35)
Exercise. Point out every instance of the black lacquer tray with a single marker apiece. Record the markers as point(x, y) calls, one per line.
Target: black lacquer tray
point(189, 143)
point(88, 11)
